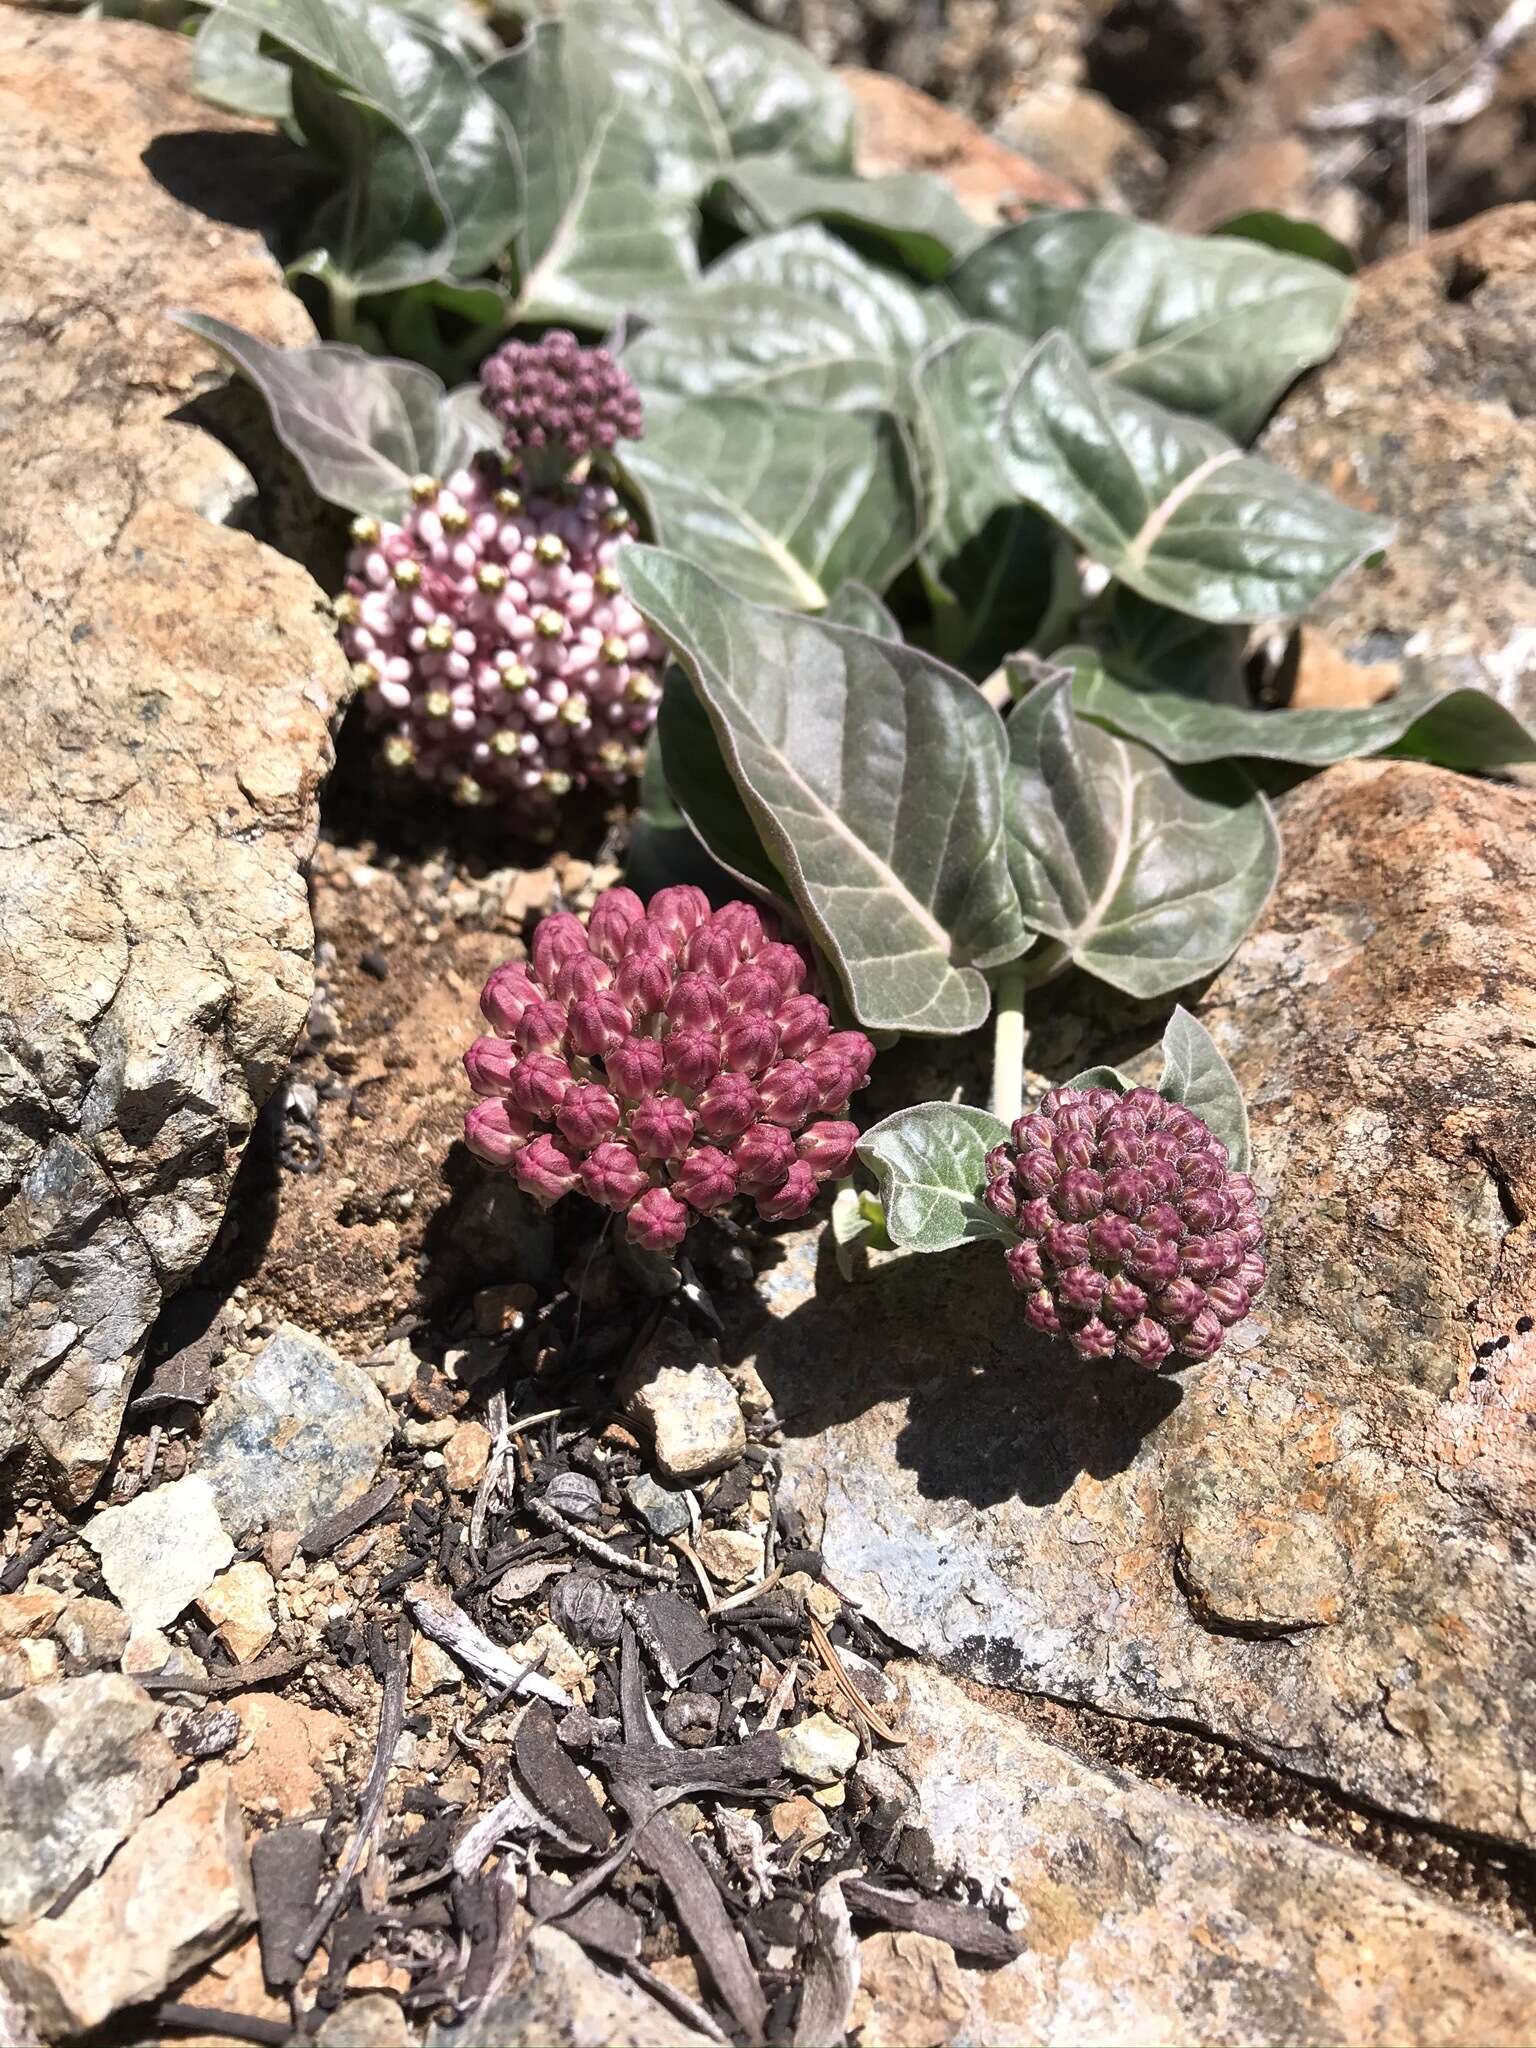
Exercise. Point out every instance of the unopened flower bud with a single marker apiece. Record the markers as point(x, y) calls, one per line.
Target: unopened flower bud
point(786, 965)
point(539, 1083)
point(690, 1059)
point(634, 1068)
point(827, 1148)
point(541, 1028)
point(1145, 1343)
point(728, 1106)
point(697, 1003)
point(1080, 1287)
point(506, 995)
point(789, 1093)
point(612, 1175)
point(763, 1156)
point(1200, 1338)
point(1026, 1268)
point(489, 1064)
point(749, 1043)
point(803, 1022)
point(588, 1115)
point(556, 939)
point(678, 912)
point(1079, 1194)
point(614, 912)
point(600, 1023)
point(705, 1179)
point(793, 1196)
point(495, 1133)
point(545, 1169)
point(1180, 1302)
point(1093, 1339)
point(656, 1221)
point(661, 1128)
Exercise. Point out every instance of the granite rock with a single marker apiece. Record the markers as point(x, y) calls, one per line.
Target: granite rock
point(168, 686)
point(560, 1998)
point(173, 1896)
point(1148, 1917)
point(161, 1550)
point(1427, 414)
point(81, 1764)
point(296, 1433)
point(1317, 1544)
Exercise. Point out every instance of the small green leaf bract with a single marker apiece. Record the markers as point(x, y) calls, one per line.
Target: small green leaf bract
point(873, 775)
point(1217, 328)
point(1149, 876)
point(1195, 1074)
point(931, 1165)
point(1170, 505)
point(360, 426)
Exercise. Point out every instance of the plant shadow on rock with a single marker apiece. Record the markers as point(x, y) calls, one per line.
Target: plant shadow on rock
point(243, 180)
point(994, 1412)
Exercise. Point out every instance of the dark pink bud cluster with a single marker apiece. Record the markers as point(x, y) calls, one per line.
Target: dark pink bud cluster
point(496, 652)
point(664, 1059)
point(1134, 1234)
point(556, 394)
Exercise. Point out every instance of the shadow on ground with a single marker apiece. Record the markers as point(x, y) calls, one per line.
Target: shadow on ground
point(993, 1412)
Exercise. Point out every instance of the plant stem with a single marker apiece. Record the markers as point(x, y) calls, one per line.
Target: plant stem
point(1008, 1042)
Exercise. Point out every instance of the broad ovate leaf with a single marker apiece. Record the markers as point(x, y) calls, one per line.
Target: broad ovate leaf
point(1465, 729)
point(229, 69)
point(663, 848)
point(1215, 327)
point(715, 86)
point(1195, 1074)
point(1169, 505)
point(930, 1163)
point(1147, 875)
point(797, 317)
point(783, 503)
point(602, 234)
point(913, 213)
point(873, 775)
point(360, 426)
point(431, 177)
point(988, 560)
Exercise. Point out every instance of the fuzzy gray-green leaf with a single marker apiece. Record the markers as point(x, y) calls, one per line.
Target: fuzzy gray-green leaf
point(1217, 328)
point(873, 775)
point(783, 503)
point(930, 1164)
point(360, 426)
point(1170, 505)
point(1195, 1074)
point(1148, 875)
point(913, 212)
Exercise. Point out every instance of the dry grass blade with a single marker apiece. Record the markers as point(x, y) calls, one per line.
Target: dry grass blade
point(821, 1642)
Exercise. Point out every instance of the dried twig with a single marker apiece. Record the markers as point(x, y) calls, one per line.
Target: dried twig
point(552, 1518)
point(832, 1978)
point(821, 1642)
point(371, 1807)
point(687, 2009)
point(235, 1678)
point(436, 1616)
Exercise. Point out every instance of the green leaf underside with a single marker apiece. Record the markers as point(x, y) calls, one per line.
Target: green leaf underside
point(602, 236)
point(915, 213)
point(796, 317)
point(1101, 1077)
point(1463, 729)
point(1217, 328)
point(1292, 236)
point(781, 503)
point(360, 426)
point(704, 793)
point(433, 175)
point(930, 1164)
point(1170, 505)
point(874, 778)
point(984, 552)
point(1195, 1074)
point(1148, 875)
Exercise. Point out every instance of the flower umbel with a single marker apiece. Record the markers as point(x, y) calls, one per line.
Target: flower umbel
point(1134, 1234)
point(497, 654)
point(642, 1058)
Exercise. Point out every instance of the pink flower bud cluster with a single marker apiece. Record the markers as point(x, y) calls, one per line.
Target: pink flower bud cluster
point(663, 1059)
point(556, 394)
point(1135, 1236)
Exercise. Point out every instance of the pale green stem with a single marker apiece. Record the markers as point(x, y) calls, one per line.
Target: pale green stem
point(1008, 1042)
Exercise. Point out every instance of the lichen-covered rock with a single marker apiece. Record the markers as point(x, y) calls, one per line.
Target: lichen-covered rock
point(167, 686)
point(1316, 1543)
point(1427, 414)
point(1147, 1917)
